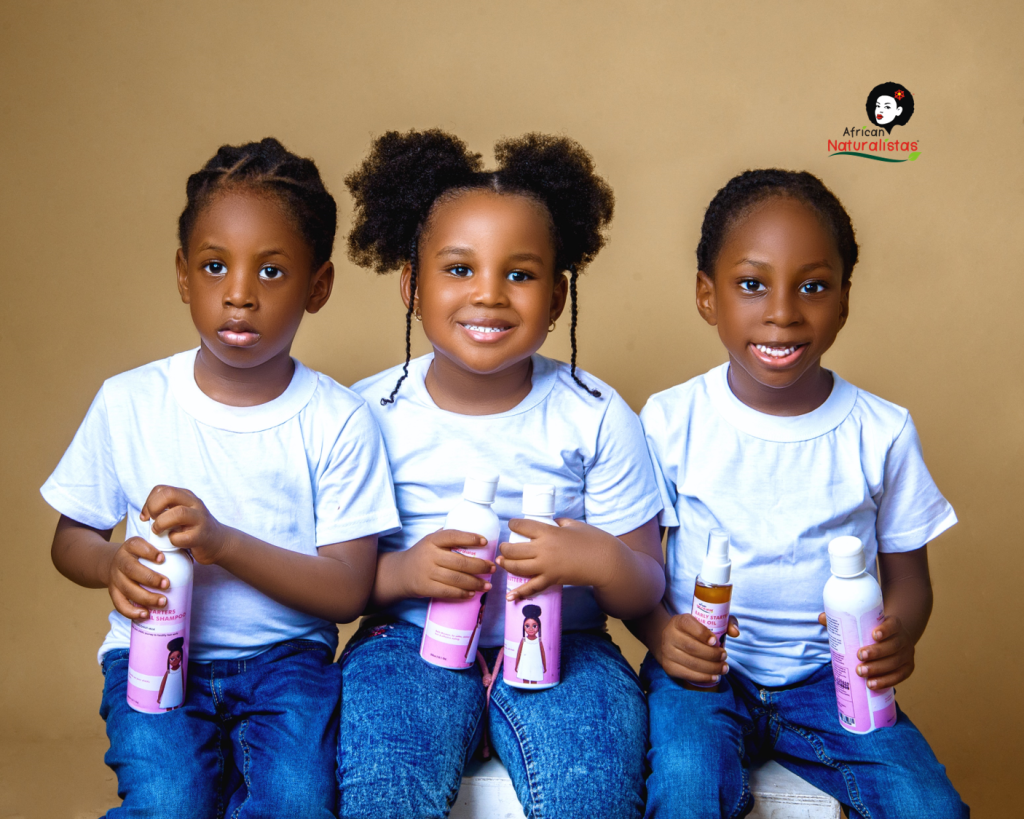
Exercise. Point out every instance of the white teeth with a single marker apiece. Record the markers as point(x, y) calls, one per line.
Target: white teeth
point(776, 352)
point(477, 329)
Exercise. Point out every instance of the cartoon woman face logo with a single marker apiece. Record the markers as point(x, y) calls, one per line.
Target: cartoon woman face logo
point(890, 104)
point(530, 628)
point(174, 660)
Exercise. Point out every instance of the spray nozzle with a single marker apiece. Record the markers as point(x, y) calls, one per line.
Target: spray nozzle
point(717, 568)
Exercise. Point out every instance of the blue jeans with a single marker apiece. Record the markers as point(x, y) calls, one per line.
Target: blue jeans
point(408, 728)
point(703, 743)
point(255, 738)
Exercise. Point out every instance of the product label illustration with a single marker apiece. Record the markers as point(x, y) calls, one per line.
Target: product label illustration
point(158, 656)
point(533, 636)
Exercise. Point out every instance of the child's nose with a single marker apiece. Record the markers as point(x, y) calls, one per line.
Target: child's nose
point(239, 290)
point(489, 288)
point(783, 309)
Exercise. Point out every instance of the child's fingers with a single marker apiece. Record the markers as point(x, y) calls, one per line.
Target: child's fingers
point(454, 539)
point(458, 580)
point(458, 562)
point(531, 588)
point(518, 551)
point(447, 591)
point(686, 635)
point(734, 627)
point(529, 528)
point(823, 619)
point(126, 564)
point(889, 627)
point(126, 607)
point(176, 517)
point(891, 679)
point(679, 664)
point(520, 568)
point(135, 595)
point(687, 624)
point(162, 497)
point(883, 666)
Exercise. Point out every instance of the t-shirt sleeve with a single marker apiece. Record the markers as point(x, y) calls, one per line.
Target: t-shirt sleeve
point(84, 486)
point(656, 432)
point(354, 494)
point(911, 510)
point(621, 493)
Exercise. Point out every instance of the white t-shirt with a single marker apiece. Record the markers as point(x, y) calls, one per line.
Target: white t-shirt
point(591, 449)
point(783, 487)
point(299, 472)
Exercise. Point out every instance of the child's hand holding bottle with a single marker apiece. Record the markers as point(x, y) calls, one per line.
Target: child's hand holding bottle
point(129, 583)
point(890, 659)
point(689, 651)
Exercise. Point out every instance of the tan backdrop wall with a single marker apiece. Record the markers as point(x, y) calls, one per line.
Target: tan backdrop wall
point(107, 107)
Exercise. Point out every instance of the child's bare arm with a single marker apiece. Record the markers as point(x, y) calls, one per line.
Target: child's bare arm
point(627, 572)
point(431, 569)
point(85, 556)
point(907, 594)
point(333, 584)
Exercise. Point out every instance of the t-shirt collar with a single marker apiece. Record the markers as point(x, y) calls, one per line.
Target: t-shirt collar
point(238, 419)
point(543, 380)
point(784, 429)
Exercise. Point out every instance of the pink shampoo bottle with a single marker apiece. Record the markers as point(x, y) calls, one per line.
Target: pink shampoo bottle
point(452, 630)
point(158, 651)
point(853, 606)
point(533, 627)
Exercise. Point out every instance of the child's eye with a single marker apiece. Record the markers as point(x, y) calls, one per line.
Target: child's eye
point(270, 272)
point(215, 268)
point(807, 288)
point(519, 276)
point(751, 286)
point(460, 271)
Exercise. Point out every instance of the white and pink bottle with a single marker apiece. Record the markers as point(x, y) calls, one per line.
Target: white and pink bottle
point(452, 631)
point(712, 593)
point(158, 652)
point(853, 606)
point(533, 627)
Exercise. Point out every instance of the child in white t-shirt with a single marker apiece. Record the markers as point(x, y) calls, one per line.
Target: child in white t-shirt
point(482, 255)
point(273, 475)
point(784, 455)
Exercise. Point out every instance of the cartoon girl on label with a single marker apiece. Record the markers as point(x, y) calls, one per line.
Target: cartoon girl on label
point(172, 688)
point(531, 662)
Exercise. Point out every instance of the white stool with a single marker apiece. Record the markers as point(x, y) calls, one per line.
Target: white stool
point(487, 793)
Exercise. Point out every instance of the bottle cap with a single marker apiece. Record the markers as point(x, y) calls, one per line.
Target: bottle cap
point(846, 554)
point(481, 486)
point(717, 568)
point(539, 499)
point(162, 542)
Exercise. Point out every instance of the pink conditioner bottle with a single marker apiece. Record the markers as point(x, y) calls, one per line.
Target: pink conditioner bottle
point(853, 606)
point(452, 630)
point(533, 627)
point(158, 651)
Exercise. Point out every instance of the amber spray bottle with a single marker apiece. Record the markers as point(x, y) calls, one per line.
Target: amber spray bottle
point(712, 593)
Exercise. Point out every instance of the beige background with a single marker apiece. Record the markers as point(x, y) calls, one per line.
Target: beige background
point(107, 107)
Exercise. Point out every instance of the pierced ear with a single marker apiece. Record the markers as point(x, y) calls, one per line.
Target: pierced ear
point(181, 272)
point(559, 295)
point(403, 284)
point(320, 287)
point(707, 304)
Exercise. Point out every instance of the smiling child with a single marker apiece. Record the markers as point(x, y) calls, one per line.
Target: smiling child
point(784, 455)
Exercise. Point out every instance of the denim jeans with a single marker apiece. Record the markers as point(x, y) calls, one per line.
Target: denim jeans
point(408, 728)
point(255, 738)
point(703, 743)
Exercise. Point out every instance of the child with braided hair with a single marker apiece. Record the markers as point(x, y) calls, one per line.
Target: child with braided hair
point(273, 475)
point(784, 455)
point(483, 258)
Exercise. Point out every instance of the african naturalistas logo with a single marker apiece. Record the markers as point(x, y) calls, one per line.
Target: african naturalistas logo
point(888, 105)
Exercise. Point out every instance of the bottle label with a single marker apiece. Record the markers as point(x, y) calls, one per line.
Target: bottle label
point(533, 638)
point(861, 710)
point(158, 655)
point(714, 616)
point(451, 633)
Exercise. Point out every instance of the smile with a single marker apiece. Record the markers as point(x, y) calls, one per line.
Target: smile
point(774, 355)
point(485, 333)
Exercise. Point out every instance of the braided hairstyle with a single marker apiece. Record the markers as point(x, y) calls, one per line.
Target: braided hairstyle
point(406, 175)
point(266, 167)
point(749, 189)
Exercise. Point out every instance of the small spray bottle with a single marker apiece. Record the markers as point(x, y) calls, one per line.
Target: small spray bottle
point(158, 647)
point(712, 593)
point(533, 627)
point(853, 606)
point(452, 629)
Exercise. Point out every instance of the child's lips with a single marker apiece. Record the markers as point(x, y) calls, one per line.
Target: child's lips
point(238, 334)
point(485, 332)
point(777, 355)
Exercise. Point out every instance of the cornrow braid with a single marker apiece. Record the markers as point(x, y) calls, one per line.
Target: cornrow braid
point(744, 192)
point(413, 264)
point(267, 167)
point(573, 274)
